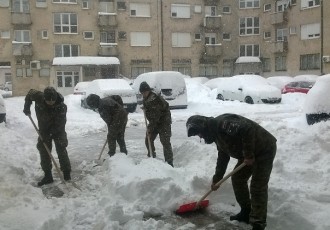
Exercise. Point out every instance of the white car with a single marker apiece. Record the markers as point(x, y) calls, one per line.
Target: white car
point(317, 103)
point(2, 110)
point(169, 84)
point(109, 87)
point(251, 89)
point(80, 88)
point(8, 86)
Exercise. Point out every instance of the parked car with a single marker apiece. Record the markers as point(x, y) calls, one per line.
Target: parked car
point(80, 88)
point(170, 84)
point(317, 103)
point(8, 86)
point(109, 87)
point(298, 87)
point(2, 110)
point(248, 88)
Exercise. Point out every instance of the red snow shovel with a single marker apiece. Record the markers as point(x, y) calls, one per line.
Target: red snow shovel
point(204, 203)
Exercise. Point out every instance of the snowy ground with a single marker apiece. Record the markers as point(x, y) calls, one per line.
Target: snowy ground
point(126, 191)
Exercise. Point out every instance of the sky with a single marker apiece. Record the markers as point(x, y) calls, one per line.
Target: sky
point(135, 192)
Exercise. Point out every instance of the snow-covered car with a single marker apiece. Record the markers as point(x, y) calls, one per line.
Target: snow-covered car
point(80, 88)
point(109, 87)
point(170, 84)
point(317, 103)
point(298, 87)
point(8, 86)
point(2, 110)
point(248, 88)
point(279, 81)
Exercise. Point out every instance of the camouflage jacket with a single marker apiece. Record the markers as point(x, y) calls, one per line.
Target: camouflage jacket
point(240, 138)
point(157, 111)
point(111, 111)
point(51, 119)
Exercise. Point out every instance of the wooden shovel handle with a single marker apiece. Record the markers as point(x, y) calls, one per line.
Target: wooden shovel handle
point(148, 136)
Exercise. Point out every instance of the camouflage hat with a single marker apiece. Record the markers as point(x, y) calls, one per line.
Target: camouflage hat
point(50, 94)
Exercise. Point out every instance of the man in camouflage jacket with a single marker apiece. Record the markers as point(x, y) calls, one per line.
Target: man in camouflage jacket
point(51, 114)
point(115, 116)
point(158, 114)
point(248, 142)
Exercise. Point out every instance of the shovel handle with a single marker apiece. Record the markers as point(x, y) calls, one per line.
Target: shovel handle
point(105, 143)
point(148, 136)
point(221, 181)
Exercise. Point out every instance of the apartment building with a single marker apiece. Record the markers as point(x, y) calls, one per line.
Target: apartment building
point(62, 42)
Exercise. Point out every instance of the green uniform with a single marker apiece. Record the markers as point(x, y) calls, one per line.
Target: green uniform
point(51, 122)
point(159, 116)
point(115, 116)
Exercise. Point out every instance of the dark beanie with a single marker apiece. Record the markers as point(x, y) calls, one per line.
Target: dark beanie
point(50, 94)
point(144, 87)
point(93, 101)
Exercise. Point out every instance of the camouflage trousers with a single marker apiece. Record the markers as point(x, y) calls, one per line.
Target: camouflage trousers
point(257, 197)
point(116, 133)
point(61, 142)
point(164, 131)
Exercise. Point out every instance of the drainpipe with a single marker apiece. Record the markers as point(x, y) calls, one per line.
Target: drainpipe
point(161, 34)
point(322, 37)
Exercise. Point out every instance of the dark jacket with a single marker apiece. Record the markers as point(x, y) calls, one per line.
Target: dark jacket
point(157, 111)
point(111, 111)
point(240, 138)
point(51, 119)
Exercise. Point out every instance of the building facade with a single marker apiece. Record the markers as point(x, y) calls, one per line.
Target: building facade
point(195, 37)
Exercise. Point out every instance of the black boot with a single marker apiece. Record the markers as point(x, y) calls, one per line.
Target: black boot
point(242, 216)
point(48, 178)
point(111, 154)
point(153, 154)
point(170, 163)
point(66, 175)
point(257, 226)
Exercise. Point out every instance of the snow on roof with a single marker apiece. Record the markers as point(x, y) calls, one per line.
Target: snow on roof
point(86, 60)
point(247, 59)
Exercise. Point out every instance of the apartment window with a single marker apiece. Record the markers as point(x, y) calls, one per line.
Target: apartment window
point(19, 72)
point(65, 23)
point(281, 5)
point(185, 70)
point(226, 10)
point(137, 70)
point(66, 50)
point(226, 37)
point(208, 70)
point(293, 30)
point(122, 35)
point(210, 11)
point(108, 37)
point(88, 35)
point(310, 3)
point(310, 31)
point(310, 61)
point(67, 79)
point(249, 50)
point(44, 34)
point(266, 64)
point(41, 3)
point(198, 37)
point(85, 5)
point(4, 3)
point(180, 11)
point(249, 26)
point(267, 7)
point(243, 4)
point(181, 40)
point(280, 63)
point(22, 36)
point(140, 39)
point(267, 35)
point(5, 34)
point(121, 5)
point(282, 34)
point(210, 38)
point(140, 9)
point(106, 6)
point(20, 6)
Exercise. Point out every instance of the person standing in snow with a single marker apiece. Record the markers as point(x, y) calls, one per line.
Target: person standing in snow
point(115, 116)
point(51, 114)
point(158, 113)
point(248, 142)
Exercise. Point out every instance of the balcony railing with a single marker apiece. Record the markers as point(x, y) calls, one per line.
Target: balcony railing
point(21, 18)
point(22, 49)
point(212, 22)
point(279, 17)
point(111, 50)
point(213, 50)
point(280, 47)
point(107, 20)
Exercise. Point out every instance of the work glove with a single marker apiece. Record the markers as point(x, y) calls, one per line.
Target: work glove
point(27, 111)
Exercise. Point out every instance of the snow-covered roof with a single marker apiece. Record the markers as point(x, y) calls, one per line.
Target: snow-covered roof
point(247, 59)
point(86, 60)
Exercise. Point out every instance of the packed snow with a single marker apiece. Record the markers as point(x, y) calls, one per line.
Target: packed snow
point(135, 192)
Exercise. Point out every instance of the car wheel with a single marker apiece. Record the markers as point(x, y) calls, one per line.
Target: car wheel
point(248, 100)
point(220, 97)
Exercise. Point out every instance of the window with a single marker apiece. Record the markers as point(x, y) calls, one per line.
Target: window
point(44, 34)
point(208, 70)
point(106, 6)
point(19, 72)
point(210, 38)
point(280, 63)
point(22, 36)
point(140, 39)
point(249, 4)
point(88, 35)
point(181, 40)
point(267, 35)
point(267, 7)
point(65, 23)
point(85, 5)
point(249, 50)
point(266, 64)
point(122, 35)
point(65, 1)
point(226, 10)
point(89, 71)
point(226, 37)
point(20, 6)
point(180, 11)
point(4, 3)
point(140, 9)
point(249, 26)
point(198, 37)
point(108, 37)
point(67, 79)
point(210, 11)
point(310, 61)
point(121, 5)
point(228, 68)
point(281, 5)
point(66, 50)
point(5, 34)
point(136, 71)
point(310, 31)
point(309, 3)
point(293, 30)
point(282, 34)
point(185, 70)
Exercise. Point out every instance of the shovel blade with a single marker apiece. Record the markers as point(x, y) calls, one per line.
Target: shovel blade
point(192, 207)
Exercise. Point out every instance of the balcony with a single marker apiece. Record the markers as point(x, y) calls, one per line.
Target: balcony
point(279, 17)
point(213, 50)
point(18, 18)
point(212, 22)
point(109, 50)
point(280, 47)
point(22, 49)
point(107, 20)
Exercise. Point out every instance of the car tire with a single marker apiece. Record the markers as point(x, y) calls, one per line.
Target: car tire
point(315, 118)
point(248, 100)
point(220, 97)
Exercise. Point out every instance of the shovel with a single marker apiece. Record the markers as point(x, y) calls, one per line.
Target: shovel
point(99, 162)
point(148, 136)
point(204, 203)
